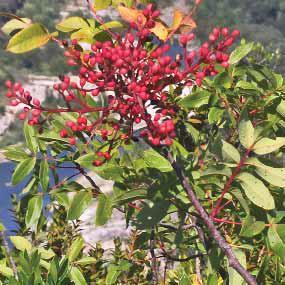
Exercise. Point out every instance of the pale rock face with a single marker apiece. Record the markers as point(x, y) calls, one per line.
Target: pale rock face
point(116, 227)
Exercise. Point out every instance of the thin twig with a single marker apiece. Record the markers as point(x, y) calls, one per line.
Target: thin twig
point(153, 258)
point(225, 247)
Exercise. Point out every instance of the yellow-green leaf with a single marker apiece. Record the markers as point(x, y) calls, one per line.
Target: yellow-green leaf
point(246, 133)
point(112, 25)
point(274, 176)
point(160, 30)
point(266, 145)
point(15, 24)
point(85, 34)
point(101, 4)
point(75, 249)
point(6, 271)
point(256, 191)
point(71, 24)
point(21, 243)
point(32, 37)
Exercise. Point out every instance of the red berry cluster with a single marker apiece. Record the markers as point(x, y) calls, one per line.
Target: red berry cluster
point(135, 79)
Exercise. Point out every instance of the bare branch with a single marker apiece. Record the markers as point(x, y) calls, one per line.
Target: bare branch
point(225, 247)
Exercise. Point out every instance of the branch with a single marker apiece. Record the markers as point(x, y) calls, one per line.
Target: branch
point(225, 247)
point(153, 259)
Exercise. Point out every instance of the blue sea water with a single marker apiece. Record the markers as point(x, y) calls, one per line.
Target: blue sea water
point(6, 189)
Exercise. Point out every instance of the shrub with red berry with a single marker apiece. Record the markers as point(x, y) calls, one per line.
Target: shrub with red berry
point(185, 139)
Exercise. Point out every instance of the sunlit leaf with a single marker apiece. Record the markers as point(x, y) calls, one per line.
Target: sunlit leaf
point(34, 211)
point(21, 243)
point(240, 52)
point(266, 145)
point(256, 191)
point(23, 169)
point(131, 15)
point(15, 24)
point(32, 37)
point(71, 24)
point(246, 133)
point(160, 30)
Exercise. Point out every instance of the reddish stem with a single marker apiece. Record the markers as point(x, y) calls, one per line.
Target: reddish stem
point(226, 221)
point(228, 185)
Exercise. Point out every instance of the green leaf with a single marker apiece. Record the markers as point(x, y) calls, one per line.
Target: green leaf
point(6, 271)
point(151, 215)
point(75, 249)
point(240, 52)
point(112, 25)
point(23, 169)
point(217, 170)
point(276, 243)
point(71, 24)
point(234, 277)
point(86, 261)
point(85, 34)
point(109, 171)
point(130, 196)
point(246, 85)
point(154, 160)
point(127, 3)
point(15, 24)
point(44, 174)
point(195, 100)
point(21, 243)
point(77, 276)
point(223, 80)
point(30, 137)
point(251, 228)
point(274, 176)
point(266, 145)
point(104, 210)
point(101, 4)
point(34, 211)
point(230, 152)
point(12, 153)
point(246, 133)
point(28, 39)
point(256, 191)
point(114, 271)
point(281, 108)
point(215, 115)
point(79, 204)
point(30, 185)
point(46, 253)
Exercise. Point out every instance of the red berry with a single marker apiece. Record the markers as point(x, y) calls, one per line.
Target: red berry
point(97, 163)
point(72, 140)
